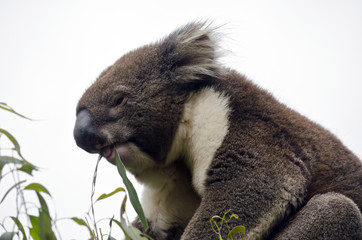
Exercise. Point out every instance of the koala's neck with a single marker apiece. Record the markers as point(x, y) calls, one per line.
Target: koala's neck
point(201, 132)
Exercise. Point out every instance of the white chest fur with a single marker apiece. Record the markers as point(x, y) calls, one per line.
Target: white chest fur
point(168, 198)
point(202, 130)
point(172, 192)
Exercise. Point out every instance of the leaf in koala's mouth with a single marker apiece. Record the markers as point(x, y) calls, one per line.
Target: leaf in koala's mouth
point(131, 190)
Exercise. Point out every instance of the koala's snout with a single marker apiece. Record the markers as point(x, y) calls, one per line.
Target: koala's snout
point(86, 134)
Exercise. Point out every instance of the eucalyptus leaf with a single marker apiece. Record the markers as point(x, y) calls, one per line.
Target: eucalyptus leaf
point(45, 226)
point(13, 140)
point(234, 216)
point(123, 206)
point(79, 221)
point(34, 230)
point(139, 234)
point(28, 168)
point(131, 191)
point(130, 232)
point(123, 226)
point(8, 108)
point(37, 187)
point(20, 227)
point(104, 196)
point(110, 229)
point(43, 204)
point(82, 223)
point(236, 230)
point(7, 236)
point(7, 159)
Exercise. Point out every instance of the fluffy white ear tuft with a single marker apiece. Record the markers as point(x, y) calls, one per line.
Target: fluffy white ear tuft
point(190, 52)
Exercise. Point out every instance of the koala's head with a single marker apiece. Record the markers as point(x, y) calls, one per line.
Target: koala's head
point(136, 104)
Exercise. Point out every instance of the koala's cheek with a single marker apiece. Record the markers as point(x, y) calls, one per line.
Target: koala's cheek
point(131, 156)
point(137, 161)
point(126, 154)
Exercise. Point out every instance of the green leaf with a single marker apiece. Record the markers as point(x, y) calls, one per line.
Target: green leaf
point(7, 236)
point(11, 188)
point(110, 229)
point(43, 204)
point(138, 233)
point(8, 108)
point(20, 227)
point(45, 226)
point(82, 223)
point(123, 226)
point(79, 221)
point(42, 225)
point(13, 140)
point(235, 230)
point(104, 196)
point(234, 216)
point(7, 159)
point(34, 231)
point(28, 168)
point(37, 187)
point(123, 206)
point(131, 191)
point(130, 232)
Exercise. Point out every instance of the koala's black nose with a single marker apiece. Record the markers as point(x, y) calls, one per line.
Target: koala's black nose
point(86, 134)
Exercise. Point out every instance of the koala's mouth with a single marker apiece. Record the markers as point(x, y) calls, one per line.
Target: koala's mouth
point(108, 152)
point(123, 149)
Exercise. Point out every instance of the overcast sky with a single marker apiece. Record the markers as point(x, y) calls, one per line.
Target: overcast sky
point(308, 53)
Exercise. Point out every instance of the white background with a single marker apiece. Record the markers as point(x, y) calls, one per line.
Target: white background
point(307, 53)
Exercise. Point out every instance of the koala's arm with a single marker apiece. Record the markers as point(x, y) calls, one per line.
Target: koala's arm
point(263, 198)
point(325, 216)
point(252, 188)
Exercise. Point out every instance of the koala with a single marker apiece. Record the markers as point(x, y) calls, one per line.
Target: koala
point(203, 139)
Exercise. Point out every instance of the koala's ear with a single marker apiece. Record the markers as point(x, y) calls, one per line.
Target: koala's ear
point(190, 53)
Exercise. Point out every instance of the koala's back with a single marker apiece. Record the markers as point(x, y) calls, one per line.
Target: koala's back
point(265, 127)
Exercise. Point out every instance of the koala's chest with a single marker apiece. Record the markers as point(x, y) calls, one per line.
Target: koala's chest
point(171, 201)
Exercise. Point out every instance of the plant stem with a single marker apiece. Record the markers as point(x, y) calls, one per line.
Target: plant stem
point(92, 194)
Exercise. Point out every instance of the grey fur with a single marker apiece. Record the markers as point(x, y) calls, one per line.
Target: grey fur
point(285, 176)
point(326, 216)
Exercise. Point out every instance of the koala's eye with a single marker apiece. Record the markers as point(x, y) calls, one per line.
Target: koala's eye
point(120, 101)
